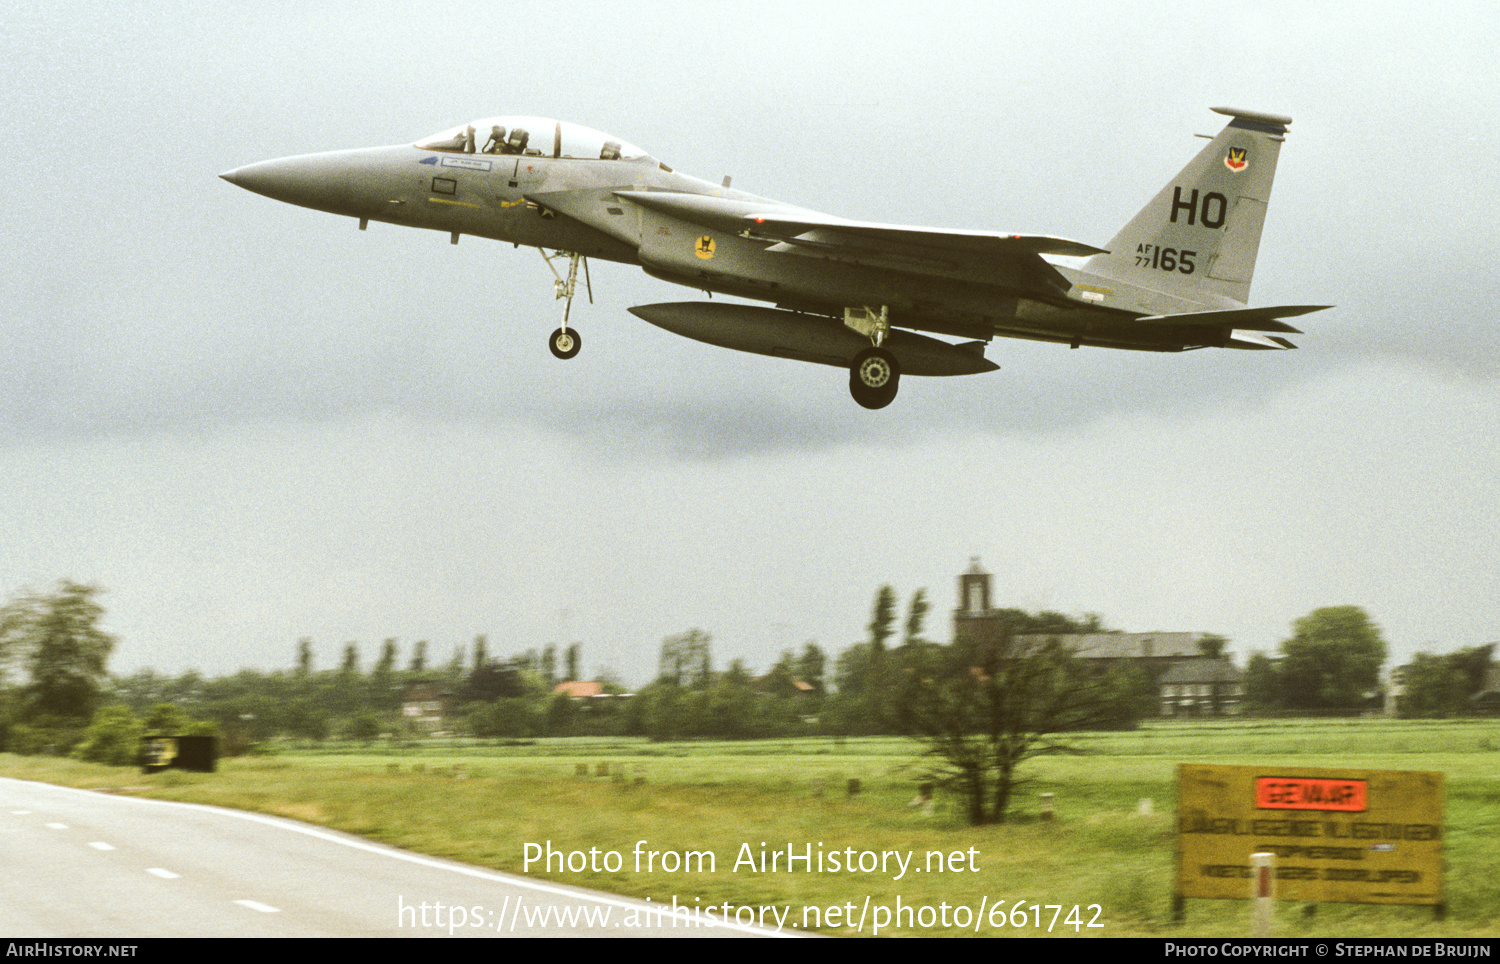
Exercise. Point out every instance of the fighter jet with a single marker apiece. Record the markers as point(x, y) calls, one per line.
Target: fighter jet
point(852, 294)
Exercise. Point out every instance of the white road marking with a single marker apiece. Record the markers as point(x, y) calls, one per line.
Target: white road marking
point(58, 826)
point(20, 813)
point(162, 873)
point(101, 845)
point(419, 859)
point(257, 905)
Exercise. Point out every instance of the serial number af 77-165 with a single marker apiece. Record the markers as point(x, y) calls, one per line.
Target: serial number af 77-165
point(852, 294)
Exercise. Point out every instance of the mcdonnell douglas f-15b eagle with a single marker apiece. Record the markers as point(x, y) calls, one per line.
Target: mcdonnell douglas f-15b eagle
point(847, 293)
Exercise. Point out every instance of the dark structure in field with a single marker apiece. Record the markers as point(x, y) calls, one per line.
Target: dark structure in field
point(1188, 680)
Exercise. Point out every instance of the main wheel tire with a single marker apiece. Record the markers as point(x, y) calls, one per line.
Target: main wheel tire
point(874, 377)
point(565, 343)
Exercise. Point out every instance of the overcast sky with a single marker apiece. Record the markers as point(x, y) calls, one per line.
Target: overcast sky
point(251, 422)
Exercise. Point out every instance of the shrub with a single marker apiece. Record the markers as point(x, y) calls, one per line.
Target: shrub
point(114, 738)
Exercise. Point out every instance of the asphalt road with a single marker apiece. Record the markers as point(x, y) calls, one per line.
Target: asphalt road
point(93, 865)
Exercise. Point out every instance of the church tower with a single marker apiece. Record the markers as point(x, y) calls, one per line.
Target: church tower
point(974, 621)
point(973, 590)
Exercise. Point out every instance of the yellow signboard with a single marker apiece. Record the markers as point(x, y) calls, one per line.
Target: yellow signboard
point(1339, 836)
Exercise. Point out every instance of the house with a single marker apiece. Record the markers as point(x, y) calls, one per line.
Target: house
point(1188, 680)
point(588, 693)
point(1487, 700)
point(579, 689)
point(1201, 687)
point(424, 705)
point(1153, 652)
point(778, 683)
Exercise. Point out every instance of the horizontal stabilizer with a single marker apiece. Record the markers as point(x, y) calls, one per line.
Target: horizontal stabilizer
point(1254, 342)
point(1248, 319)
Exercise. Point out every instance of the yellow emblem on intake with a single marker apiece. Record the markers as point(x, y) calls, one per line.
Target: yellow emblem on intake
point(704, 247)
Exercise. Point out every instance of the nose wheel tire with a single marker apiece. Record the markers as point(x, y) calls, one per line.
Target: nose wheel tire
point(874, 377)
point(565, 343)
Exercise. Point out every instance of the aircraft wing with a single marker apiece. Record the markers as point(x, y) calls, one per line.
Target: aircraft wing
point(711, 211)
point(1000, 258)
point(1010, 259)
point(875, 236)
point(1245, 319)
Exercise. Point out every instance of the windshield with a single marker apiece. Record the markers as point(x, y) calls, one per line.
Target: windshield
point(533, 136)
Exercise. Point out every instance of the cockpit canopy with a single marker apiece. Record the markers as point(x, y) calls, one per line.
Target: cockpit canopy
point(532, 136)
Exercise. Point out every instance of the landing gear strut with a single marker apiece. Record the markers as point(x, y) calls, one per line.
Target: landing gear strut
point(565, 343)
point(874, 374)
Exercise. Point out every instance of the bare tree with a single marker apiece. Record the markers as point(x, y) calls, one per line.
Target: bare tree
point(983, 712)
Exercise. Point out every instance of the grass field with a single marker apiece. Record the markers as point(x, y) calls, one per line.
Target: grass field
point(484, 804)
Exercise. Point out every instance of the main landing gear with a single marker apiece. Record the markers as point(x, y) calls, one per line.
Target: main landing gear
point(565, 343)
point(874, 374)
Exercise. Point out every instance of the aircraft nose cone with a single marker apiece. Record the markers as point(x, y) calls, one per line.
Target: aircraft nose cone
point(312, 180)
point(361, 183)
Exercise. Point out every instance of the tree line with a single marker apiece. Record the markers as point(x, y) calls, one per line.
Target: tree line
point(1333, 662)
point(54, 640)
point(980, 706)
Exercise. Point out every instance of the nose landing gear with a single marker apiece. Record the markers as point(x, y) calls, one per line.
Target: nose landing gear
point(564, 343)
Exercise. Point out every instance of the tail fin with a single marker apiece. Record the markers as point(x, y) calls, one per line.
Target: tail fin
point(1200, 235)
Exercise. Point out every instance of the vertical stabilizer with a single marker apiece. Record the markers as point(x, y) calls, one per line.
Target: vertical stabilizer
point(1200, 234)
